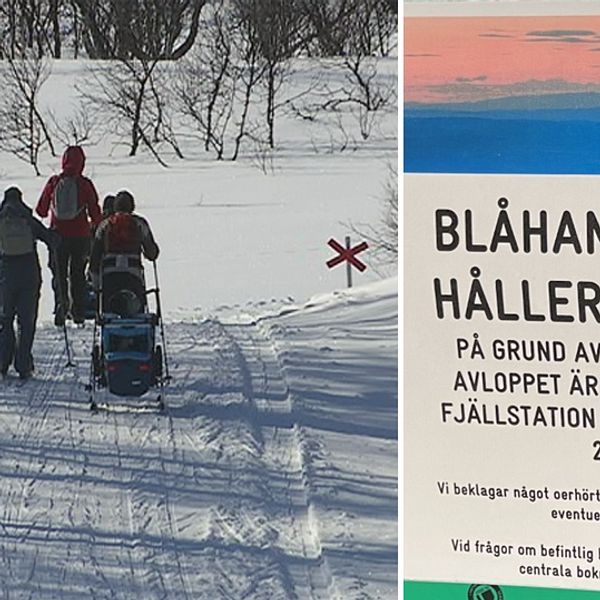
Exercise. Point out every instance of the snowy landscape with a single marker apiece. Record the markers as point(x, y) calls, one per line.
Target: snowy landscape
point(272, 472)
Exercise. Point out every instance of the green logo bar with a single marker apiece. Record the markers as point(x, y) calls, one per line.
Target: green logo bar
point(434, 590)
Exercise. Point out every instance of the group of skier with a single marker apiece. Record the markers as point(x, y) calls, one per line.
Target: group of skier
point(108, 244)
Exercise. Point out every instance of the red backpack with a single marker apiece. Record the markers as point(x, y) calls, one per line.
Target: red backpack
point(123, 235)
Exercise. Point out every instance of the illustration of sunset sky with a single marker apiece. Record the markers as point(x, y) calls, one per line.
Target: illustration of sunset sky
point(502, 94)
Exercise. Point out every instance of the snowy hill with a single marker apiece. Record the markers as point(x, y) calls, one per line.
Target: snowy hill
point(272, 474)
point(234, 232)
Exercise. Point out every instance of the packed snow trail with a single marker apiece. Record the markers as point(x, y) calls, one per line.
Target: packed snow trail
point(209, 499)
point(201, 501)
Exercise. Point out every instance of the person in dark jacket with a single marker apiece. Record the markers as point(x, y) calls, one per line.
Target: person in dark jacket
point(69, 261)
point(116, 260)
point(20, 280)
point(108, 206)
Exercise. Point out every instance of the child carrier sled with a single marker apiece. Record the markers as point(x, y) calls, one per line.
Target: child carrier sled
point(126, 360)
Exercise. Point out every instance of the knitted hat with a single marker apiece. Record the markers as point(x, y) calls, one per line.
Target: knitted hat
point(124, 202)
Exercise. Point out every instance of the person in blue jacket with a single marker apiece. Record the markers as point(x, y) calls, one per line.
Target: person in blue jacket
point(20, 281)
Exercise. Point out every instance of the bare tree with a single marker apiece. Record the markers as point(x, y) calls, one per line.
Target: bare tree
point(372, 30)
point(76, 129)
point(219, 82)
point(348, 27)
point(118, 91)
point(163, 29)
point(17, 34)
point(352, 98)
point(23, 130)
point(145, 29)
point(38, 16)
point(389, 225)
point(96, 27)
point(262, 153)
point(358, 31)
point(64, 28)
point(251, 71)
point(364, 92)
point(276, 28)
point(383, 237)
point(385, 26)
point(32, 25)
point(161, 109)
point(207, 79)
point(130, 93)
point(329, 26)
point(8, 25)
point(54, 7)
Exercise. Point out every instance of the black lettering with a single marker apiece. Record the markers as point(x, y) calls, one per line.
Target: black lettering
point(529, 230)
point(556, 301)
point(588, 303)
point(593, 231)
point(451, 297)
point(566, 234)
point(503, 233)
point(446, 229)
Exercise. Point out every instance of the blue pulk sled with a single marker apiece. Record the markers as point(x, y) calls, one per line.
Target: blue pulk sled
point(126, 360)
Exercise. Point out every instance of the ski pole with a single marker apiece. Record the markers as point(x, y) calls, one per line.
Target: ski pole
point(162, 328)
point(61, 297)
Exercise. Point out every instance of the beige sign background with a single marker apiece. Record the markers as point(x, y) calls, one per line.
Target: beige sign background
point(536, 540)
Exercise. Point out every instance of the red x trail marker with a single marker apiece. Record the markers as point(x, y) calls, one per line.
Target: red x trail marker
point(347, 254)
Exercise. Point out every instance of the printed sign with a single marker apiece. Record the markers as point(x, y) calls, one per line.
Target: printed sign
point(502, 306)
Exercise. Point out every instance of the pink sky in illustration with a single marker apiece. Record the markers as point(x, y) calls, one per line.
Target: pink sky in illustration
point(462, 59)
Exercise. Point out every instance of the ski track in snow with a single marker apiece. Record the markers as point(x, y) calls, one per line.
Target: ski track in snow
point(209, 499)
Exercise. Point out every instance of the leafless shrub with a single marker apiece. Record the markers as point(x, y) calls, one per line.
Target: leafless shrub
point(161, 110)
point(350, 101)
point(358, 33)
point(390, 230)
point(262, 155)
point(23, 130)
point(31, 26)
point(207, 80)
point(76, 129)
point(350, 27)
point(220, 82)
point(145, 29)
point(125, 92)
point(277, 27)
point(364, 94)
point(383, 237)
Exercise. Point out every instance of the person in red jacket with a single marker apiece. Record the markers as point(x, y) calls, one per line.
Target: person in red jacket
point(72, 202)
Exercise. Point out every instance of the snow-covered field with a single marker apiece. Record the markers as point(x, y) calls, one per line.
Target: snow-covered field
point(272, 474)
point(228, 232)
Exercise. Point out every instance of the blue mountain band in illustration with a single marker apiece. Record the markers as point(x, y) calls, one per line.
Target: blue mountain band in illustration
point(552, 134)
